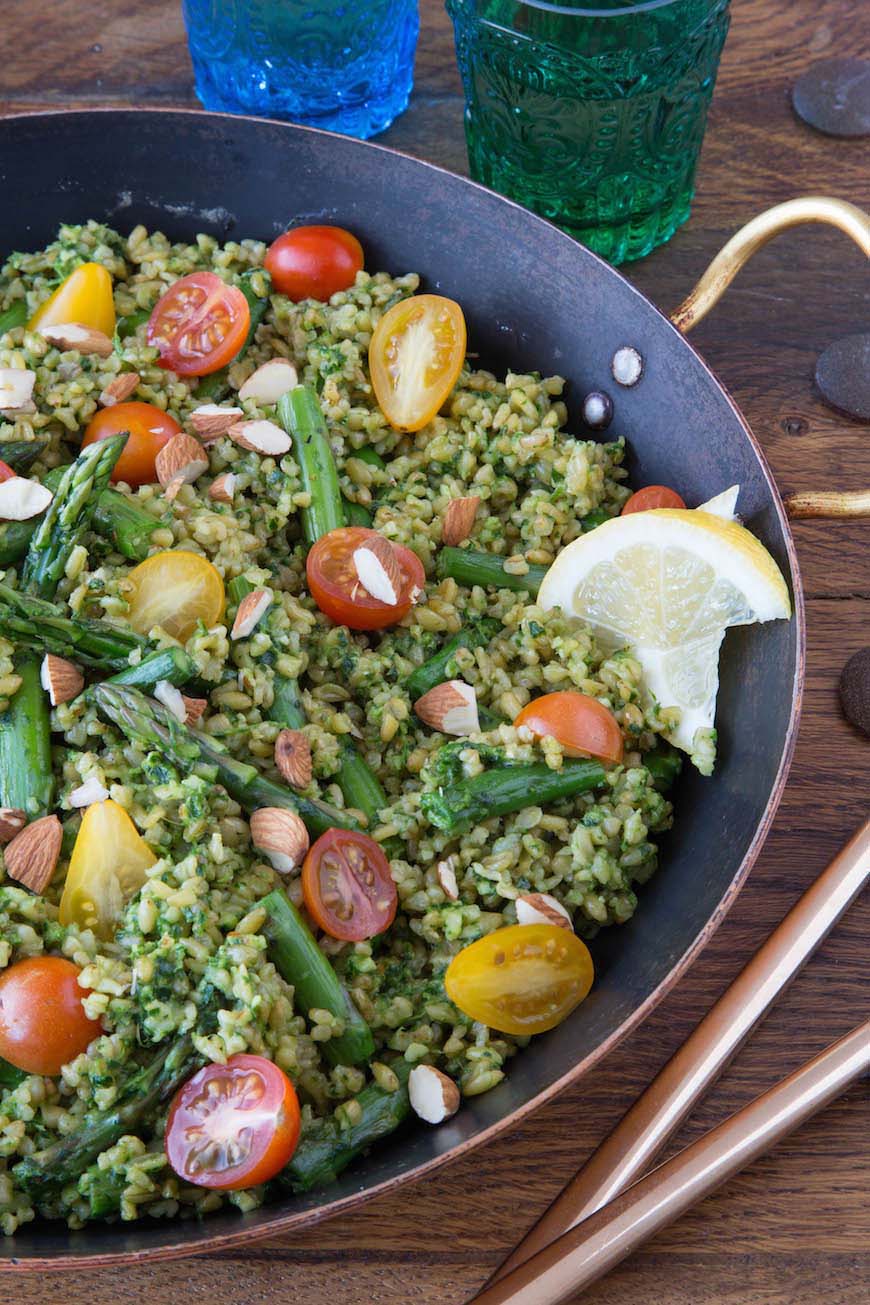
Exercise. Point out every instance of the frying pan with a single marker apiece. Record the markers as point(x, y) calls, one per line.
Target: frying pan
point(534, 299)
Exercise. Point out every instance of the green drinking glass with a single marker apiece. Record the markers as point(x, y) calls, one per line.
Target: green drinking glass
point(591, 116)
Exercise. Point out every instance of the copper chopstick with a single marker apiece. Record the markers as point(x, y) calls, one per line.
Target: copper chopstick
point(644, 1130)
point(585, 1253)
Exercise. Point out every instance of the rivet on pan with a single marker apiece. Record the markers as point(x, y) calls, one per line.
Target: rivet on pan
point(597, 409)
point(627, 366)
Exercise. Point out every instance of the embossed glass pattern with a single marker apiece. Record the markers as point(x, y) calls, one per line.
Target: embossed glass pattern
point(593, 117)
point(346, 65)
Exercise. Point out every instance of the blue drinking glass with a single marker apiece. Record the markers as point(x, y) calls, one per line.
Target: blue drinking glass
point(346, 65)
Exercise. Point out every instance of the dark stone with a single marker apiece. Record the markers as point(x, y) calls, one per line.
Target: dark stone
point(834, 97)
point(843, 375)
point(855, 690)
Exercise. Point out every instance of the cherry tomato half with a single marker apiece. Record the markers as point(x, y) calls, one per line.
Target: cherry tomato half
point(416, 354)
point(6, 472)
point(335, 584)
point(347, 885)
point(583, 725)
point(43, 1025)
point(654, 496)
point(522, 979)
point(314, 262)
point(233, 1125)
point(199, 324)
point(150, 428)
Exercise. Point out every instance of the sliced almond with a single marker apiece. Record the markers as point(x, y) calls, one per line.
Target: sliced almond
point(459, 519)
point(281, 835)
point(12, 821)
point(541, 908)
point(84, 339)
point(293, 757)
point(450, 707)
point(433, 1095)
point(21, 499)
point(181, 461)
point(62, 680)
point(223, 487)
point(272, 379)
point(210, 421)
point(193, 708)
point(260, 437)
point(16, 387)
point(32, 855)
point(172, 699)
point(250, 610)
point(119, 388)
point(446, 872)
point(88, 793)
point(377, 567)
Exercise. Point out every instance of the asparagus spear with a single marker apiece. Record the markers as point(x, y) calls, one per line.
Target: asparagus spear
point(130, 324)
point(69, 515)
point(664, 764)
point(10, 1077)
point(26, 780)
point(299, 960)
point(441, 667)
point(147, 722)
point(286, 706)
point(172, 664)
point(300, 415)
point(359, 784)
point(457, 806)
point(323, 1154)
point(469, 567)
point(19, 454)
point(355, 514)
point(14, 315)
point(216, 385)
point(37, 624)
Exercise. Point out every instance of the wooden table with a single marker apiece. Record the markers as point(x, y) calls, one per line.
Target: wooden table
point(795, 1228)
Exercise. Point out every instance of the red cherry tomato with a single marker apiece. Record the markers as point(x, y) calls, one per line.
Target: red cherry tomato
point(314, 262)
point(233, 1125)
point(583, 725)
point(199, 324)
point(347, 885)
point(335, 584)
point(654, 496)
point(6, 472)
point(43, 1025)
point(150, 428)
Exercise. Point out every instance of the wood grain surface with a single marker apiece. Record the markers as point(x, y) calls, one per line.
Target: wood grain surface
point(794, 1229)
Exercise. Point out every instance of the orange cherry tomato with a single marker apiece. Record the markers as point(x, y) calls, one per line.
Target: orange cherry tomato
point(150, 428)
point(654, 496)
point(6, 472)
point(199, 324)
point(347, 885)
point(43, 1025)
point(522, 979)
point(233, 1125)
point(335, 584)
point(583, 725)
point(415, 356)
point(314, 262)
point(85, 297)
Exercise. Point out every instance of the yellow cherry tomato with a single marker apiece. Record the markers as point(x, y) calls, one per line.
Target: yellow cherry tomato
point(84, 297)
point(522, 979)
point(416, 354)
point(174, 590)
point(108, 866)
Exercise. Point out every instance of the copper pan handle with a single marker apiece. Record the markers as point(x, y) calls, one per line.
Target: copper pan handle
point(851, 220)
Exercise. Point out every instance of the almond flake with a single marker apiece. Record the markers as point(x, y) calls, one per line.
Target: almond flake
point(62, 680)
point(181, 461)
point(223, 487)
point(32, 855)
point(267, 384)
point(260, 437)
point(450, 707)
point(83, 339)
point(172, 699)
point(21, 499)
point(377, 566)
point(16, 387)
point(193, 708)
point(88, 793)
point(459, 519)
point(281, 835)
point(433, 1095)
point(446, 872)
point(250, 610)
point(210, 420)
point(541, 908)
point(12, 821)
point(119, 388)
point(293, 757)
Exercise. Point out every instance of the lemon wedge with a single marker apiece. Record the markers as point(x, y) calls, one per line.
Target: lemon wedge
point(668, 584)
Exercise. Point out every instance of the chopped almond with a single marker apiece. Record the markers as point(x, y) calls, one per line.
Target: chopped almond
point(434, 1096)
point(21, 499)
point(210, 420)
point(88, 793)
point(293, 757)
point(181, 461)
point(267, 384)
point(193, 708)
point(260, 437)
point(459, 519)
point(446, 872)
point(73, 336)
point(250, 610)
point(541, 908)
point(450, 707)
point(377, 567)
point(16, 387)
point(281, 835)
point(172, 699)
point(12, 821)
point(223, 487)
point(119, 388)
point(32, 855)
point(62, 680)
